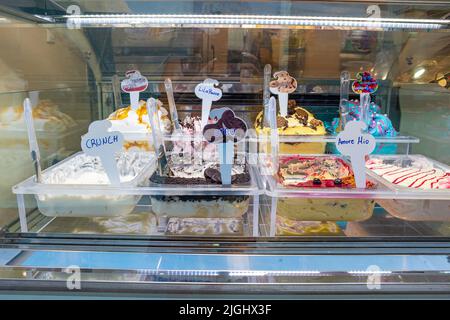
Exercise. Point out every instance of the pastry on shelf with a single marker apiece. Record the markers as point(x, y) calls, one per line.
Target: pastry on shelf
point(46, 115)
point(57, 132)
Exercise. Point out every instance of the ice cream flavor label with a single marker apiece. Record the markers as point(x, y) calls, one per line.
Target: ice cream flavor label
point(228, 130)
point(356, 144)
point(364, 83)
point(208, 92)
point(282, 86)
point(101, 142)
point(283, 83)
point(359, 140)
point(134, 82)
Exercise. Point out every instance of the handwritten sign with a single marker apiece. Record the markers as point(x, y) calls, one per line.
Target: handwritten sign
point(208, 92)
point(282, 86)
point(104, 144)
point(133, 84)
point(356, 144)
point(228, 130)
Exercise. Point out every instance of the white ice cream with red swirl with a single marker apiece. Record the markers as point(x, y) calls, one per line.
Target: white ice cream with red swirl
point(417, 174)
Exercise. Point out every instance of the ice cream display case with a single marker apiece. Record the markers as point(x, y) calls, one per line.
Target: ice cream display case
point(288, 146)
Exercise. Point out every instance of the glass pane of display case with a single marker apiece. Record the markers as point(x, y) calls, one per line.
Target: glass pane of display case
point(69, 58)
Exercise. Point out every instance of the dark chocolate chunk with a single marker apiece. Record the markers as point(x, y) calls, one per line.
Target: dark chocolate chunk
point(190, 198)
point(213, 174)
point(292, 104)
point(211, 177)
point(302, 116)
point(282, 122)
point(314, 123)
point(213, 132)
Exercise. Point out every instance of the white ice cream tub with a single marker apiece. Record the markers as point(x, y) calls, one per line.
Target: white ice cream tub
point(430, 205)
point(89, 193)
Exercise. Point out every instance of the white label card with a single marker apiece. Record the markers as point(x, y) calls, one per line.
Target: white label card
point(282, 86)
point(356, 144)
point(134, 83)
point(208, 92)
point(104, 144)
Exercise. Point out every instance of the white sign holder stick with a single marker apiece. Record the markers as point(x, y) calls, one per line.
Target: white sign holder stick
point(226, 157)
point(364, 106)
point(134, 100)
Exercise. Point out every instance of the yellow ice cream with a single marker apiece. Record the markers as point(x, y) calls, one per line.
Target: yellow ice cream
point(307, 209)
point(298, 122)
point(325, 172)
point(287, 227)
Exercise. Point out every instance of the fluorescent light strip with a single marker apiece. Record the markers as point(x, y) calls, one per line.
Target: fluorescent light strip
point(46, 18)
point(367, 272)
point(255, 20)
point(272, 273)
